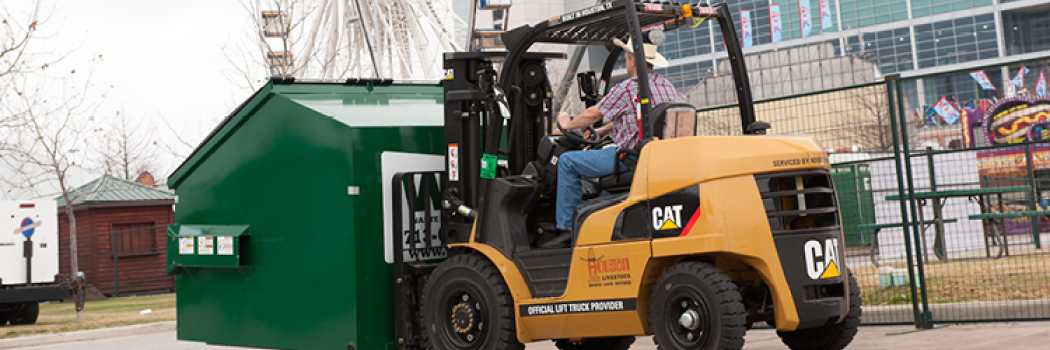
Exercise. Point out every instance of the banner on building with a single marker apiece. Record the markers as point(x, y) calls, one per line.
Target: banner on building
point(825, 14)
point(947, 112)
point(745, 28)
point(805, 23)
point(982, 78)
point(774, 22)
point(1040, 86)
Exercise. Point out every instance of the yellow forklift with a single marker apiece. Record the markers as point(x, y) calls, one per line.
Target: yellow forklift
point(700, 239)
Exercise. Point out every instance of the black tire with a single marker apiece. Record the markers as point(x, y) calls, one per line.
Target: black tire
point(613, 343)
point(26, 314)
point(708, 296)
point(467, 306)
point(830, 337)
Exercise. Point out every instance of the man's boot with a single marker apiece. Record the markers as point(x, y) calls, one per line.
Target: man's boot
point(562, 240)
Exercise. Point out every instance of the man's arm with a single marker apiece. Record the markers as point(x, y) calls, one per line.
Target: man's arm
point(605, 129)
point(588, 117)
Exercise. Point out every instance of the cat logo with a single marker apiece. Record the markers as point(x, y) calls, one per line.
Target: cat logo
point(667, 217)
point(822, 262)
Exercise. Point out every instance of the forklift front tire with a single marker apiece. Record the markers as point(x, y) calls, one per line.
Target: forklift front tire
point(695, 306)
point(467, 306)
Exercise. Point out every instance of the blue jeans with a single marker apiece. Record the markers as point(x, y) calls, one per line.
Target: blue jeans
point(573, 166)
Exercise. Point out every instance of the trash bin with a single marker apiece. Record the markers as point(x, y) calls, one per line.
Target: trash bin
point(856, 204)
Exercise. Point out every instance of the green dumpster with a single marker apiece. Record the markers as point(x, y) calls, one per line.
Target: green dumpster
point(280, 220)
point(856, 203)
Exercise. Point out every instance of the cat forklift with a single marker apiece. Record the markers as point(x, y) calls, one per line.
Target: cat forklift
point(701, 238)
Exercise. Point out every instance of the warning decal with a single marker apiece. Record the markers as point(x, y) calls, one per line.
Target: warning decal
point(186, 246)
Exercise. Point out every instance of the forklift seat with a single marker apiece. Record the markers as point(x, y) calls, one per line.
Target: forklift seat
point(617, 183)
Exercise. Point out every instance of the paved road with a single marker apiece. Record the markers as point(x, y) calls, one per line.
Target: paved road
point(999, 336)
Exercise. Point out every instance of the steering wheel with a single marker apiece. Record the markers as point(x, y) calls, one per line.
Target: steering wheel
point(576, 135)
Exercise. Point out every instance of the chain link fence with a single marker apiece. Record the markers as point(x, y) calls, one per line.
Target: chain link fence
point(970, 241)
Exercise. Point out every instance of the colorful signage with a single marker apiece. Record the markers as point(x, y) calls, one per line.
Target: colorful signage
point(805, 23)
point(982, 78)
point(945, 109)
point(825, 14)
point(1018, 79)
point(745, 28)
point(1040, 86)
point(774, 22)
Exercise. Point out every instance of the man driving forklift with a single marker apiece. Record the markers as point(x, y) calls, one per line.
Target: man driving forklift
point(620, 110)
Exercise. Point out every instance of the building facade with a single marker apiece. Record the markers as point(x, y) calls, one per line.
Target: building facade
point(910, 37)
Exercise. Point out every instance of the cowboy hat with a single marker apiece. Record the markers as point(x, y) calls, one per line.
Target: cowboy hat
point(654, 58)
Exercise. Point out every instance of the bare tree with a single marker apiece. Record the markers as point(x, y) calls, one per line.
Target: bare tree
point(47, 115)
point(125, 148)
point(871, 120)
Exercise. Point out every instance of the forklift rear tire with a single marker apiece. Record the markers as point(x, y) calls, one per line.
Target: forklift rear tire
point(694, 305)
point(467, 306)
point(830, 337)
point(26, 314)
point(614, 343)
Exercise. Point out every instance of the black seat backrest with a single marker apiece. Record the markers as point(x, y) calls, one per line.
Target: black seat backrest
point(680, 111)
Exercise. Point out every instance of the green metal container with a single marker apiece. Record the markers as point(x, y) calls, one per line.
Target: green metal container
point(856, 203)
point(290, 186)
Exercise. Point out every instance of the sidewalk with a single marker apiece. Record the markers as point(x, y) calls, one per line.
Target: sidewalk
point(998, 336)
point(88, 335)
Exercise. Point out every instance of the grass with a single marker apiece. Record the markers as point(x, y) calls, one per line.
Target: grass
point(1015, 277)
point(112, 312)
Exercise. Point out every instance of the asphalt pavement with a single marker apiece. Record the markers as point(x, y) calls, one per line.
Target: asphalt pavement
point(998, 336)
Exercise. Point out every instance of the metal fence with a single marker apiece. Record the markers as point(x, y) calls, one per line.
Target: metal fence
point(970, 241)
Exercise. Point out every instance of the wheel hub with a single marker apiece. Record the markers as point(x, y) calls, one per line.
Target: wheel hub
point(463, 318)
point(689, 319)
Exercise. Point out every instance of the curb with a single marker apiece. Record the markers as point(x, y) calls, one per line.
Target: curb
point(87, 335)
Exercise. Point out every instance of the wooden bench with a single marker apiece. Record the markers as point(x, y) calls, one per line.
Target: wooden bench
point(878, 227)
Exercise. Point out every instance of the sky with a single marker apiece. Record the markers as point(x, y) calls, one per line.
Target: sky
point(161, 60)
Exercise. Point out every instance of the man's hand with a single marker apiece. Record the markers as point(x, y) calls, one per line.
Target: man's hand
point(564, 120)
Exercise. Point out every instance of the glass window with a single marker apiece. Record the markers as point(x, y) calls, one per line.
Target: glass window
point(863, 13)
point(891, 49)
point(922, 8)
point(954, 41)
point(1026, 31)
point(685, 76)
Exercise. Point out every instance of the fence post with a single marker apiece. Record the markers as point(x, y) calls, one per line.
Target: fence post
point(892, 89)
point(116, 268)
point(1031, 197)
point(926, 319)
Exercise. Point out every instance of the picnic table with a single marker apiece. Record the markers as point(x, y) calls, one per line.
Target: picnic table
point(939, 198)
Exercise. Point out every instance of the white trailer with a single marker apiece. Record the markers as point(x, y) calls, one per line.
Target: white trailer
point(28, 259)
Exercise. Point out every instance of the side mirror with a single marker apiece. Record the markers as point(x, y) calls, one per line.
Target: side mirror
point(758, 128)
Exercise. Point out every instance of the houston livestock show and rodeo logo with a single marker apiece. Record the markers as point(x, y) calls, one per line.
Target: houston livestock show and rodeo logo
point(604, 272)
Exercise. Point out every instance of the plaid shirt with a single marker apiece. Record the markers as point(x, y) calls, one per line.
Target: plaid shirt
point(619, 106)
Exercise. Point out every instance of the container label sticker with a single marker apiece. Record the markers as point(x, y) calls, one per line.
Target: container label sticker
point(225, 245)
point(206, 246)
point(186, 246)
point(453, 162)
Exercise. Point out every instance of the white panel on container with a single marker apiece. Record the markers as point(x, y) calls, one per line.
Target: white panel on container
point(35, 221)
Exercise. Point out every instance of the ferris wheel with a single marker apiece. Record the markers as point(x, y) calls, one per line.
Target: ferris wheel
point(335, 39)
